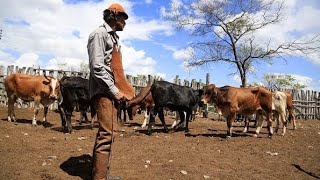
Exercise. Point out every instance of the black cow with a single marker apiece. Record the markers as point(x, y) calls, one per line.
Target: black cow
point(75, 94)
point(174, 97)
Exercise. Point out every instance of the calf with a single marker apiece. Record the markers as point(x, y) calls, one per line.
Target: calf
point(74, 93)
point(245, 101)
point(40, 89)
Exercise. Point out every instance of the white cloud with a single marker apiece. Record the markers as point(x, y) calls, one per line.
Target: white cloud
point(148, 1)
point(136, 62)
point(6, 59)
point(307, 81)
point(50, 24)
point(28, 60)
point(299, 24)
point(183, 54)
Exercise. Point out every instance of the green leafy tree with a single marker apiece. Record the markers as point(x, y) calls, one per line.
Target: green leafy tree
point(281, 81)
point(224, 31)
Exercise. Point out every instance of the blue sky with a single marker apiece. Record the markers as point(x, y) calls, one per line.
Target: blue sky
point(48, 33)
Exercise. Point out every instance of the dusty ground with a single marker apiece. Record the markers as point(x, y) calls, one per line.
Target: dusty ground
point(46, 153)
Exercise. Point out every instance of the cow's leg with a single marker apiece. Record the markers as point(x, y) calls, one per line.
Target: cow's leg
point(294, 122)
point(259, 122)
point(118, 107)
point(62, 116)
point(123, 107)
point(175, 120)
point(161, 117)
point(83, 115)
point(45, 112)
point(93, 115)
point(246, 124)
point(144, 124)
point(270, 128)
point(124, 115)
point(230, 120)
point(292, 119)
point(276, 115)
point(130, 113)
point(36, 111)
point(189, 113)
point(284, 122)
point(11, 113)
point(182, 119)
point(151, 121)
point(68, 119)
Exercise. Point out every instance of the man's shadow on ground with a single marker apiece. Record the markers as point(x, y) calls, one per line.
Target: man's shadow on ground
point(78, 166)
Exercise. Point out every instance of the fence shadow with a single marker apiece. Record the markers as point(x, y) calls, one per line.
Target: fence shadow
point(302, 170)
point(79, 166)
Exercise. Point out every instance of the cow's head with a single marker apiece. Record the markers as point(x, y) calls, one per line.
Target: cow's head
point(209, 94)
point(54, 86)
point(134, 109)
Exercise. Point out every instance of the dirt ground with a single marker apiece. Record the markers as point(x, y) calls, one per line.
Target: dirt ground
point(44, 152)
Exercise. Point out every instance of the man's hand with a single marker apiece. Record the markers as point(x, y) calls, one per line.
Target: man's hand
point(118, 96)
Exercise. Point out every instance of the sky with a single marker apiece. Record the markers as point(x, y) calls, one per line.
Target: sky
point(53, 34)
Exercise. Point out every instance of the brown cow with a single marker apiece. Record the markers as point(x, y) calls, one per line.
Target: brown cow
point(144, 101)
point(40, 89)
point(290, 108)
point(245, 101)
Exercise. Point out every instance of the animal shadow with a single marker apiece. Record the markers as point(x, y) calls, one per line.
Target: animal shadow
point(78, 166)
point(29, 121)
point(132, 124)
point(215, 133)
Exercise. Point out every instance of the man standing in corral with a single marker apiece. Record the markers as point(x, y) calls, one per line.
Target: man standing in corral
point(103, 48)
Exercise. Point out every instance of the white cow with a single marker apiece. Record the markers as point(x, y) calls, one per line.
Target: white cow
point(279, 107)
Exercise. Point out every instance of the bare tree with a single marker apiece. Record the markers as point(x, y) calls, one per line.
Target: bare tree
point(2, 69)
point(84, 67)
point(224, 32)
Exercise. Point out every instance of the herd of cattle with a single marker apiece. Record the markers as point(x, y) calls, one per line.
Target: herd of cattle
point(73, 92)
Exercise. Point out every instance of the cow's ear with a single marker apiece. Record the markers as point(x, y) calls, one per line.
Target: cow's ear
point(46, 82)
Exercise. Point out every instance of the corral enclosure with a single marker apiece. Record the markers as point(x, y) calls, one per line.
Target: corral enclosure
point(44, 152)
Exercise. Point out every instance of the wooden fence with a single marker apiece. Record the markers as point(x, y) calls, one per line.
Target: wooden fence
point(306, 102)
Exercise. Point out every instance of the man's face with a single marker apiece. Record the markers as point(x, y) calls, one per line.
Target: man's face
point(120, 23)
